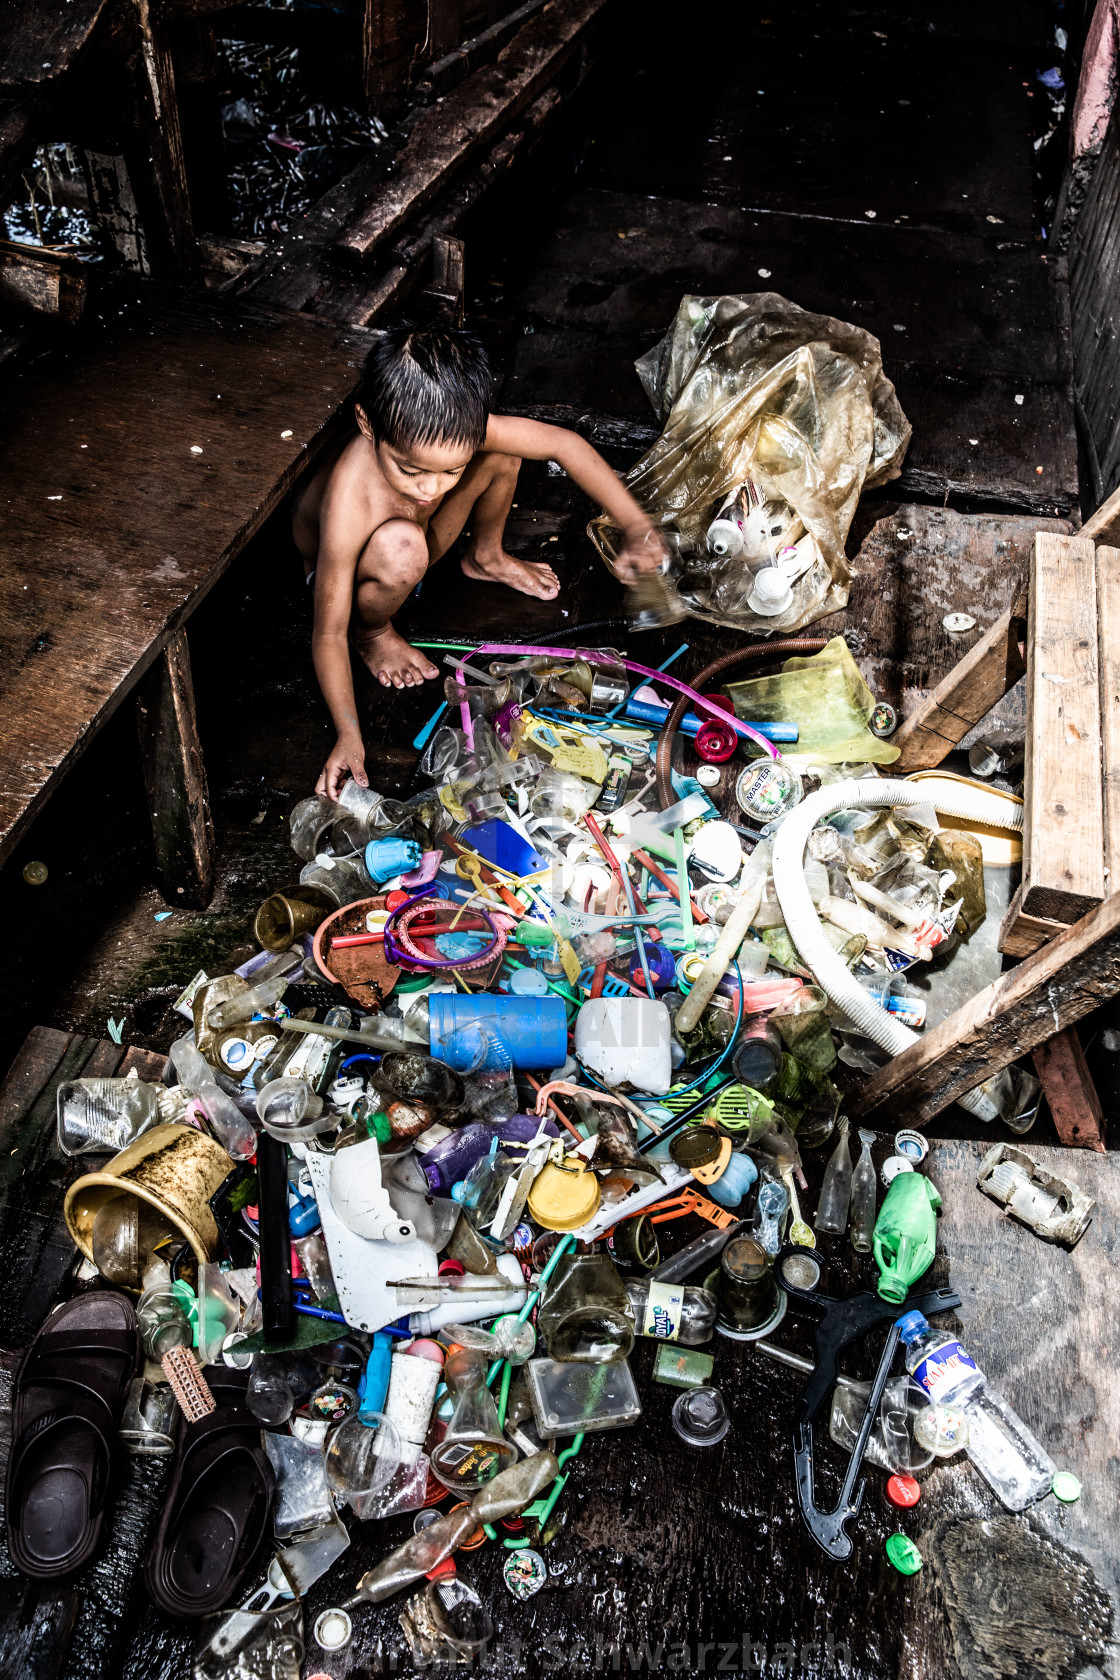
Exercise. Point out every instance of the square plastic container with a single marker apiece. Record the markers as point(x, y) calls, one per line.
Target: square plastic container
point(568, 1398)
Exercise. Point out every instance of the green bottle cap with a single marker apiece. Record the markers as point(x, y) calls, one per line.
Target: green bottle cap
point(903, 1554)
point(1066, 1487)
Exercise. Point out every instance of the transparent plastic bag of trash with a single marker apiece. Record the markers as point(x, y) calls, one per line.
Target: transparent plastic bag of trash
point(753, 389)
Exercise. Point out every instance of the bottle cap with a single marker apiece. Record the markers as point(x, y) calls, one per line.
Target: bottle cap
point(903, 1491)
point(1066, 1487)
point(524, 1572)
point(903, 1554)
point(892, 1166)
point(911, 1144)
point(911, 1325)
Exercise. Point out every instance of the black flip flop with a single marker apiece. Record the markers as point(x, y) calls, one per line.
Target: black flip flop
point(216, 1518)
point(69, 1397)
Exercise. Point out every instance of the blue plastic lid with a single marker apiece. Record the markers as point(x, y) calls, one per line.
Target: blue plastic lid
point(911, 1325)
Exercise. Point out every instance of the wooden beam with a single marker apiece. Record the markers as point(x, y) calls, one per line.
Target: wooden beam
point(1048, 992)
point(1072, 1096)
point(962, 698)
point(447, 72)
point(1104, 525)
point(1019, 934)
point(447, 292)
point(42, 282)
point(156, 163)
point(115, 209)
point(175, 778)
point(1108, 633)
point(1063, 805)
point(448, 135)
point(445, 25)
point(40, 43)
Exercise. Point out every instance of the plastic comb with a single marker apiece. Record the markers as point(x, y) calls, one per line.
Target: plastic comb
point(188, 1384)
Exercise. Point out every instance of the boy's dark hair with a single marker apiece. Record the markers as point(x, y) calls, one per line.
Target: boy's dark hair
point(426, 385)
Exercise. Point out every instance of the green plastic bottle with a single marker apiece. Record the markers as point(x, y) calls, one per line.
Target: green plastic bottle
point(905, 1236)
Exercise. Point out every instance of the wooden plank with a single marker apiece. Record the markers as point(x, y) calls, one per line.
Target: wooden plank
point(445, 73)
point(1108, 650)
point(1019, 934)
point(175, 778)
point(1049, 991)
point(42, 282)
point(1068, 1084)
point(41, 41)
point(393, 33)
point(156, 163)
point(114, 529)
point(962, 698)
point(1032, 1595)
point(1063, 810)
point(447, 291)
point(1104, 525)
point(445, 25)
point(447, 136)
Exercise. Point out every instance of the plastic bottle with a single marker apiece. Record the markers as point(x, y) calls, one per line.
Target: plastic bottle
point(672, 1312)
point(265, 995)
point(905, 1236)
point(836, 1191)
point(863, 1196)
point(450, 1160)
point(104, 1114)
point(1015, 1465)
point(227, 1122)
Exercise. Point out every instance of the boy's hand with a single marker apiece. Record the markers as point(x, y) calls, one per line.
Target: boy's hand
point(643, 550)
point(348, 760)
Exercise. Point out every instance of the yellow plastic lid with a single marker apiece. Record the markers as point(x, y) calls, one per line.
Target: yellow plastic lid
point(563, 1199)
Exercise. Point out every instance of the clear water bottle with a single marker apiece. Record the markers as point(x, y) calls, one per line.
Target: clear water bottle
point(1014, 1464)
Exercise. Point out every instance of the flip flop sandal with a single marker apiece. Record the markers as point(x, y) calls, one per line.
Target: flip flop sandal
point(215, 1519)
point(69, 1397)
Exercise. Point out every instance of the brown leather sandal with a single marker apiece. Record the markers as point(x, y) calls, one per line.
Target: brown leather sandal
point(69, 1397)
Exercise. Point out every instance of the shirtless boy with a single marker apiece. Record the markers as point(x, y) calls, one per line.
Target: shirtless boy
point(428, 456)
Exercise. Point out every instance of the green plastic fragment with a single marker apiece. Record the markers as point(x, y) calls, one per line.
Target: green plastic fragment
point(679, 1367)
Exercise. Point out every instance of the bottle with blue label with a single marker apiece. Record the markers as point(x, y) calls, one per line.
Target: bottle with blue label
point(1015, 1465)
point(672, 1312)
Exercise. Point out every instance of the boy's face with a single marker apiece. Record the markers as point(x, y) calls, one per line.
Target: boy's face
point(422, 472)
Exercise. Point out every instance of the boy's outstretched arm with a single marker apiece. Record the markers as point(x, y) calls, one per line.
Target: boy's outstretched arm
point(642, 546)
point(340, 545)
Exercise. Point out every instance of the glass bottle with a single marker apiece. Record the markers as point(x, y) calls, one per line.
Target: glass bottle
point(586, 1313)
point(863, 1196)
point(474, 1449)
point(836, 1191)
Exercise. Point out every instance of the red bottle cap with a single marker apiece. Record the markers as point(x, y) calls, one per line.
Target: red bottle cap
point(395, 899)
point(903, 1491)
point(447, 1567)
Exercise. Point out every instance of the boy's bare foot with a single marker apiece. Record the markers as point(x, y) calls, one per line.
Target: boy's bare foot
point(393, 662)
point(529, 578)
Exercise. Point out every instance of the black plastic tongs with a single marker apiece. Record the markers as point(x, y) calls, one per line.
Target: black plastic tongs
point(839, 1323)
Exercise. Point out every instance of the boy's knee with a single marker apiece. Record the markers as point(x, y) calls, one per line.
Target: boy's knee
point(507, 466)
point(397, 552)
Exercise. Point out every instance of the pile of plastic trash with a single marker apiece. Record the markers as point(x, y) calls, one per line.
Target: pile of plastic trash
point(411, 1183)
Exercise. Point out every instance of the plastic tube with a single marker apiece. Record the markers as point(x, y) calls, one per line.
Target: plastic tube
point(802, 921)
point(707, 706)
